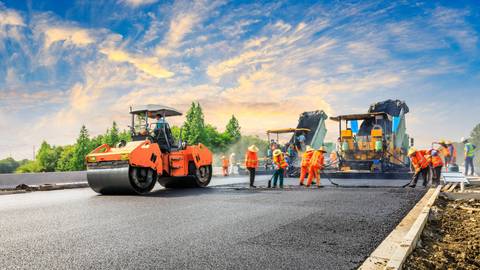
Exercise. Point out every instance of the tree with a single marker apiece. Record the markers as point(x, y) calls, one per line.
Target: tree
point(65, 161)
point(31, 166)
point(112, 135)
point(194, 126)
point(82, 147)
point(233, 129)
point(48, 156)
point(475, 135)
point(8, 165)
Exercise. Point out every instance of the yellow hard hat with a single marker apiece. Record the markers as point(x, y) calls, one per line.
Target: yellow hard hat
point(309, 148)
point(448, 142)
point(253, 148)
point(441, 141)
point(277, 152)
point(322, 149)
point(411, 151)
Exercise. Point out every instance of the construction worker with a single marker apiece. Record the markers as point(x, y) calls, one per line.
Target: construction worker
point(232, 163)
point(316, 164)
point(420, 165)
point(444, 152)
point(225, 164)
point(251, 162)
point(437, 164)
point(333, 159)
point(280, 166)
point(469, 156)
point(452, 151)
point(304, 166)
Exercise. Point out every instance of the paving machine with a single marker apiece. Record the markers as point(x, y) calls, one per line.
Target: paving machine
point(374, 144)
point(153, 155)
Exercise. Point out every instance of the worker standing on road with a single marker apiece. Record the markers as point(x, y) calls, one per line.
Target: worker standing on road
point(437, 164)
point(444, 152)
point(469, 155)
point(452, 151)
point(232, 163)
point(225, 164)
point(420, 165)
point(305, 163)
point(316, 164)
point(280, 165)
point(251, 162)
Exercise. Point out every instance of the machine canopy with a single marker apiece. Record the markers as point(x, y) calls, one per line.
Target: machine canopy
point(153, 109)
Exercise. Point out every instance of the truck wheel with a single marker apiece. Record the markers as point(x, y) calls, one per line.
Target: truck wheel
point(203, 175)
point(142, 179)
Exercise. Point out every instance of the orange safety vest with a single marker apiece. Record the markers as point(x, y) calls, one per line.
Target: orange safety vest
point(251, 160)
point(444, 151)
point(419, 161)
point(306, 158)
point(317, 160)
point(280, 161)
point(225, 163)
point(437, 161)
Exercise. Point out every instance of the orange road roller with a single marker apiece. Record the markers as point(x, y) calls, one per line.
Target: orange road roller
point(153, 155)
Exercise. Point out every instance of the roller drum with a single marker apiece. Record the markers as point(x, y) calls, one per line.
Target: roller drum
point(110, 181)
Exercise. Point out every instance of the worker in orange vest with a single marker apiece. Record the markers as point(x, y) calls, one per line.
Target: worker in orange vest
point(444, 152)
point(280, 166)
point(225, 164)
point(316, 164)
point(452, 151)
point(304, 166)
point(251, 162)
point(436, 163)
point(420, 166)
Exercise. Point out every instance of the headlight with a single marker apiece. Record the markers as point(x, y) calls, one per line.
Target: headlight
point(124, 157)
point(92, 159)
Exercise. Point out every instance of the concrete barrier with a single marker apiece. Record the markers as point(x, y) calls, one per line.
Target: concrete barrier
point(8, 181)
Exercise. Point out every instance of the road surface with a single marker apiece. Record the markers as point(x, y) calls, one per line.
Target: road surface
point(220, 227)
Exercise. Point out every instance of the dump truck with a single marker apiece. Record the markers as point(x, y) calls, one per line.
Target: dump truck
point(152, 156)
point(374, 144)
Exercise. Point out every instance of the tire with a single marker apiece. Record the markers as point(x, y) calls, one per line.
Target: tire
point(203, 175)
point(142, 179)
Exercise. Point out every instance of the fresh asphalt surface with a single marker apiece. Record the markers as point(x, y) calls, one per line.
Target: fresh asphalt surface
point(220, 227)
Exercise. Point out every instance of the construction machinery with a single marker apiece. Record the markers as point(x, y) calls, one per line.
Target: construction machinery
point(311, 125)
point(374, 144)
point(151, 156)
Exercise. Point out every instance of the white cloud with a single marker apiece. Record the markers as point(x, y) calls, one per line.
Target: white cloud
point(70, 35)
point(137, 3)
point(11, 17)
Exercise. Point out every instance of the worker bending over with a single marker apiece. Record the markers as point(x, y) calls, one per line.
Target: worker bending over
point(469, 155)
point(420, 166)
point(280, 165)
point(251, 162)
point(304, 166)
point(436, 163)
point(225, 164)
point(316, 164)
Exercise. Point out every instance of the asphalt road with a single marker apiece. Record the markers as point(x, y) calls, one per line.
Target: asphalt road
point(221, 227)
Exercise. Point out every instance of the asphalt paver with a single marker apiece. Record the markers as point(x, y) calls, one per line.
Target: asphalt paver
point(221, 227)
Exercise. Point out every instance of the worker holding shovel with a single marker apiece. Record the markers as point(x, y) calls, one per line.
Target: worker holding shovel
point(251, 162)
point(317, 162)
point(280, 165)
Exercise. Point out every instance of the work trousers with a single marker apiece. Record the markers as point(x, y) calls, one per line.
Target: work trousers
point(225, 171)
point(468, 165)
point(303, 173)
point(424, 172)
point(276, 175)
point(252, 175)
point(313, 172)
point(437, 172)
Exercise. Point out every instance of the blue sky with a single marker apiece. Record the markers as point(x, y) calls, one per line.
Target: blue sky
point(68, 63)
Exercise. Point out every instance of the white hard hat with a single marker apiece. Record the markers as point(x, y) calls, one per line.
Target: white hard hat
point(463, 139)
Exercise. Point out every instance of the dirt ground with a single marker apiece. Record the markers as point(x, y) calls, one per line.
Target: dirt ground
point(451, 239)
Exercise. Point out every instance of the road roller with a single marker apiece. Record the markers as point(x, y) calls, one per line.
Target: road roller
point(151, 156)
